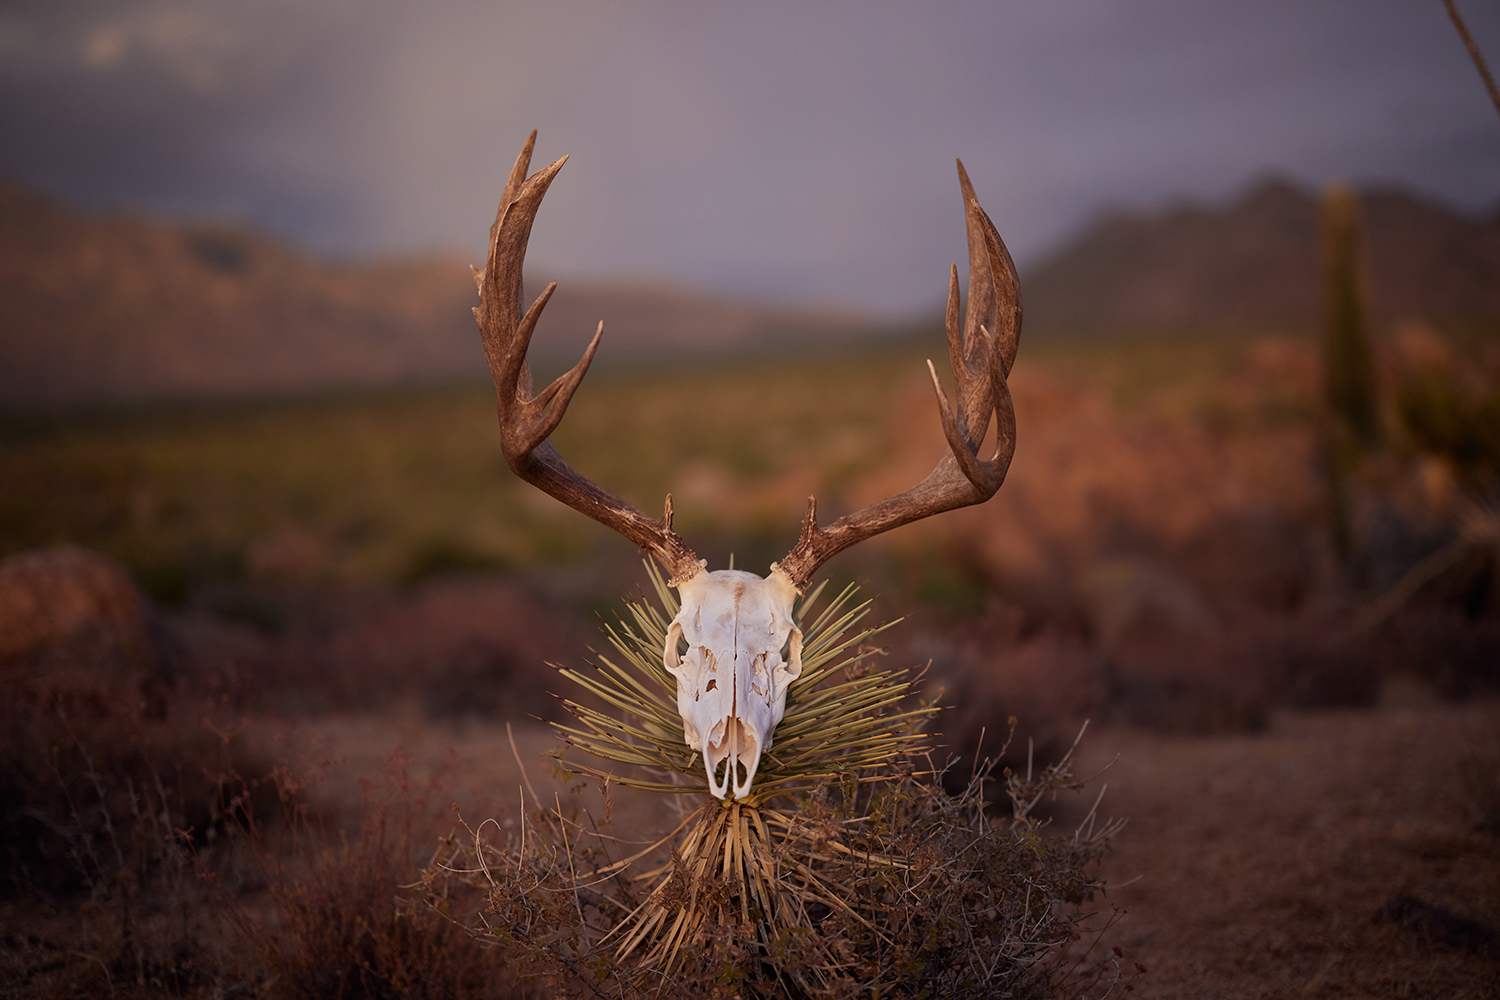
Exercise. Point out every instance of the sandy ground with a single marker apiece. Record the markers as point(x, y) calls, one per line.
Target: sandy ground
point(1256, 865)
point(1253, 865)
point(484, 769)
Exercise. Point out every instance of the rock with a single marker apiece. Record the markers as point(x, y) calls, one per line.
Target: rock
point(73, 625)
point(1438, 926)
point(52, 596)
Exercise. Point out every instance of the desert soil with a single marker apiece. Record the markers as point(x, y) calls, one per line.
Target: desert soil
point(1253, 865)
point(1258, 865)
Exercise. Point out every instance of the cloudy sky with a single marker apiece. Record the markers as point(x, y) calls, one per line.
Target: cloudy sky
point(800, 151)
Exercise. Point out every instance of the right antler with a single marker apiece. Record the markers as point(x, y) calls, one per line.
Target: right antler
point(526, 421)
point(982, 352)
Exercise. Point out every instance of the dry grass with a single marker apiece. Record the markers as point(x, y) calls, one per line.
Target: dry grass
point(341, 925)
point(153, 848)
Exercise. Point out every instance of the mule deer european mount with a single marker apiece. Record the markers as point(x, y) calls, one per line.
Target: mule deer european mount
point(734, 647)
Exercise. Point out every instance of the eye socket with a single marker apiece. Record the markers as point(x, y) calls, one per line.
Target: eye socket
point(793, 644)
point(676, 646)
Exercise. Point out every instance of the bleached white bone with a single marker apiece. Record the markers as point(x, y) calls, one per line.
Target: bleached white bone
point(743, 652)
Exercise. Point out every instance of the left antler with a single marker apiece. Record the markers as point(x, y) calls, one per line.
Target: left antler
point(526, 421)
point(982, 353)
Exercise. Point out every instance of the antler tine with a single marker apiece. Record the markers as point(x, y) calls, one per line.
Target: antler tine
point(981, 353)
point(526, 421)
point(997, 305)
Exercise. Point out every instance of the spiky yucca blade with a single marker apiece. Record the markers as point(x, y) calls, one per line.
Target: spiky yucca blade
point(843, 718)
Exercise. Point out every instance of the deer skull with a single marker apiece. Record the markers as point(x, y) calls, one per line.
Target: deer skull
point(743, 652)
point(743, 649)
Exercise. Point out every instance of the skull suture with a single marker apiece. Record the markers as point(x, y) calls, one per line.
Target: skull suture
point(743, 652)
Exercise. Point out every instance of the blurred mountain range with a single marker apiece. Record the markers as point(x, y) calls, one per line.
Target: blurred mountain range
point(1253, 266)
point(121, 309)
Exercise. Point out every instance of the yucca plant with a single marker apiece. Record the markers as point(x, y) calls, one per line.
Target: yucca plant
point(847, 724)
point(843, 718)
point(847, 869)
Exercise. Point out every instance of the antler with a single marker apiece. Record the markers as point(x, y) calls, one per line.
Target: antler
point(982, 354)
point(526, 421)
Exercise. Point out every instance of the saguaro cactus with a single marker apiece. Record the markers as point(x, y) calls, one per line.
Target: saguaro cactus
point(1352, 428)
point(1348, 356)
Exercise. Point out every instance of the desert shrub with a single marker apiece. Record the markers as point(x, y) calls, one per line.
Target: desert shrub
point(156, 853)
point(1050, 682)
point(104, 823)
point(454, 647)
point(1479, 783)
point(1444, 417)
point(78, 800)
point(107, 783)
point(1458, 658)
point(99, 755)
point(341, 925)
